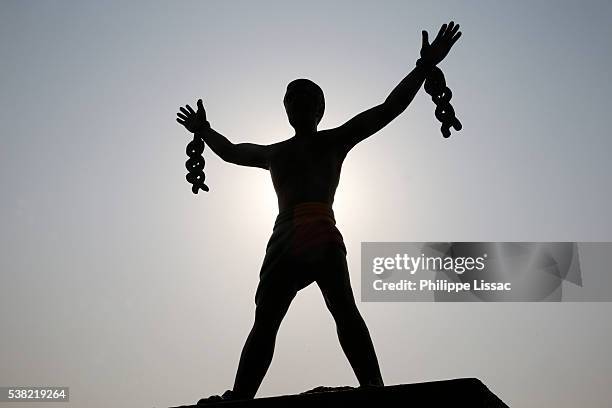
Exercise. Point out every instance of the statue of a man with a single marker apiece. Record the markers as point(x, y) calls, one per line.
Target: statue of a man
point(305, 245)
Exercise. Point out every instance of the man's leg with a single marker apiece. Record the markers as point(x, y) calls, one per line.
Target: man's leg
point(259, 347)
point(334, 282)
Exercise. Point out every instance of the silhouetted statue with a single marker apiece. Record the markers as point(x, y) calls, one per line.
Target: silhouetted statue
point(305, 245)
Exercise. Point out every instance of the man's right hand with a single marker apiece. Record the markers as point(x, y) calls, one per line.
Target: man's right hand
point(193, 121)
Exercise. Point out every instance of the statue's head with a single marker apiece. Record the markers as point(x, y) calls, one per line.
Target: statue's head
point(304, 103)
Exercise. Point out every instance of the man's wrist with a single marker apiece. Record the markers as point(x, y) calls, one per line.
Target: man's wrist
point(424, 64)
point(205, 127)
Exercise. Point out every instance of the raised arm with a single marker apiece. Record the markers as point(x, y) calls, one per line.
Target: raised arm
point(372, 120)
point(243, 154)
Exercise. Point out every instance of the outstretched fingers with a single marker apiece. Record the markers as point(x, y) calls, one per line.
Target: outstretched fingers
point(187, 114)
point(183, 116)
point(450, 27)
point(450, 34)
point(453, 33)
point(441, 32)
point(455, 38)
point(454, 30)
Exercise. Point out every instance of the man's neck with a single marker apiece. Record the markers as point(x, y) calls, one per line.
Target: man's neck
point(305, 131)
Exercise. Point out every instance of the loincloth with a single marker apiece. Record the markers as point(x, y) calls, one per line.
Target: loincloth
point(302, 237)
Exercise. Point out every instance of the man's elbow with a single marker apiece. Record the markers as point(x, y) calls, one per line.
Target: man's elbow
point(229, 153)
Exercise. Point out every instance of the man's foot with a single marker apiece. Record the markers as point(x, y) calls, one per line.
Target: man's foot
point(228, 395)
point(370, 386)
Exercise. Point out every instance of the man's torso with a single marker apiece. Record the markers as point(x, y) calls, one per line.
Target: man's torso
point(306, 169)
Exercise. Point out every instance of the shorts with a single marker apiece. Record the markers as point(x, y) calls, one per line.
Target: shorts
point(305, 243)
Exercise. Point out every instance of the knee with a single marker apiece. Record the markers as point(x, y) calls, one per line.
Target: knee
point(267, 319)
point(347, 316)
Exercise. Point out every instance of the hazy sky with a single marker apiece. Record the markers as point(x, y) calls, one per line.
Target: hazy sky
point(120, 283)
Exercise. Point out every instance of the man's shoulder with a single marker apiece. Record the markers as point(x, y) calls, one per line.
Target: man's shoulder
point(333, 139)
point(275, 149)
point(330, 132)
point(278, 145)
